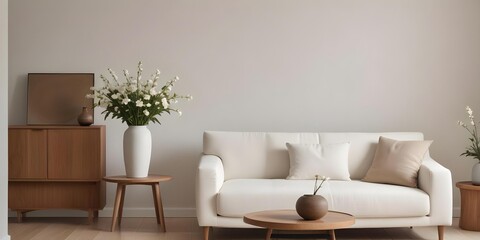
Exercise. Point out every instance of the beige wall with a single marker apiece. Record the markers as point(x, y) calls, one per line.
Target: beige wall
point(400, 65)
point(3, 118)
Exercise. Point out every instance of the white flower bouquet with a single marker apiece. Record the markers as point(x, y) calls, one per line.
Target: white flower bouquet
point(134, 101)
point(474, 149)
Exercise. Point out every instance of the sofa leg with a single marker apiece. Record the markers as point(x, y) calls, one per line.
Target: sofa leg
point(441, 230)
point(206, 231)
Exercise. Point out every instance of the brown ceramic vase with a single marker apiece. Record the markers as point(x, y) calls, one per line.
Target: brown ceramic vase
point(85, 118)
point(311, 207)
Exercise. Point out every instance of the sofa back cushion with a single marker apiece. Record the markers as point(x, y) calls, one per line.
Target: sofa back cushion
point(265, 155)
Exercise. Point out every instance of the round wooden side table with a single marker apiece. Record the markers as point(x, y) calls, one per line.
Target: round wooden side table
point(290, 220)
point(470, 206)
point(123, 181)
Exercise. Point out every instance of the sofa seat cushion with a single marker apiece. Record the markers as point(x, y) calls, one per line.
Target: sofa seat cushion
point(361, 199)
point(376, 200)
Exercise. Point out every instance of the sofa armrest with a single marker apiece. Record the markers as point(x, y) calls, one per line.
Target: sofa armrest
point(436, 181)
point(210, 178)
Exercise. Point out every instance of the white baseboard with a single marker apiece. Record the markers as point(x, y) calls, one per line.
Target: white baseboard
point(132, 212)
point(456, 212)
point(108, 212)
point(150, 212)
point(5, 238)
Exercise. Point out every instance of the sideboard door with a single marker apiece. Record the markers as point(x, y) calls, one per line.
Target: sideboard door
point(74, 154)
point(27, 154)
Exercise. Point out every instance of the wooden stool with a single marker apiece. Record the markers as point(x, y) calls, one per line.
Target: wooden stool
point(123, 181)
point(469, 209)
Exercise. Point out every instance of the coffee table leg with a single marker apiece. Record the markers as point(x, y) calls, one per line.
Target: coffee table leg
point(269, 233)
point(332, 234)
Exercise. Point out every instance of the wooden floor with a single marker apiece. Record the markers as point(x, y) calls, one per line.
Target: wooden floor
point(187, 229)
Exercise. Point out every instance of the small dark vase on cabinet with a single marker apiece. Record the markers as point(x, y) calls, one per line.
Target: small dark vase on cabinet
point(85, 118)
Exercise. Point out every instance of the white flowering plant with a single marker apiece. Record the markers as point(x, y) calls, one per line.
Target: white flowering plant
point(473, 150)
point(317, 186)
point(134, 101)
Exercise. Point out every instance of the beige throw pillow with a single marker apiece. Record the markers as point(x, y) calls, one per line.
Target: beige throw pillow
point(397, 162)
point(308, 160)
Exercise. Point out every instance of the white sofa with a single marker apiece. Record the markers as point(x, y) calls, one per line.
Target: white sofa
point(242, 172)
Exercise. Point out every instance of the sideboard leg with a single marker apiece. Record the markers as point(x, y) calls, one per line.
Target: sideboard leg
point(19, 216)
point(441, 230)
point(90, 216)
point(206, 231)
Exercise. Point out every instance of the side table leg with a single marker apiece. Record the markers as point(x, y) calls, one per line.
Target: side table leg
point(155, 200)
point(159, 205)
point(332, 234)
point(118, 198)
point(269, 234)
point(120, 210)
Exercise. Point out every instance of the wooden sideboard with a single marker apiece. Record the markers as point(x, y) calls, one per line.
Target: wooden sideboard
point(56, 167)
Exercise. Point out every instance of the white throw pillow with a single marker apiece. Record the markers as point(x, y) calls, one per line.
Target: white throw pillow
point(308, 160)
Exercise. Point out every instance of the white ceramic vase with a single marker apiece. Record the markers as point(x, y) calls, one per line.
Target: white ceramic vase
point(476, 174)
point(137, 150)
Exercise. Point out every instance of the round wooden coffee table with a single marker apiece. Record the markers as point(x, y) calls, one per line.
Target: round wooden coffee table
point(290, 220)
